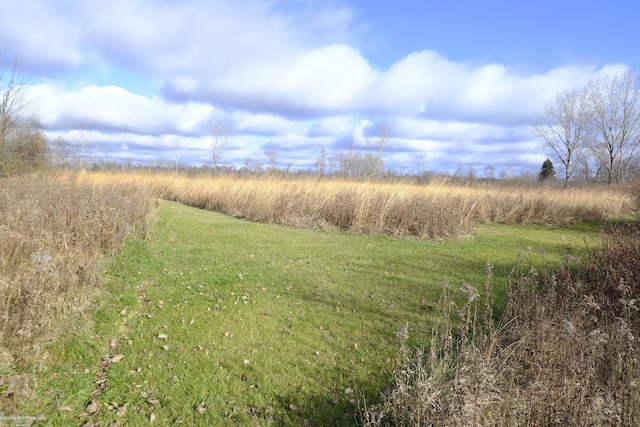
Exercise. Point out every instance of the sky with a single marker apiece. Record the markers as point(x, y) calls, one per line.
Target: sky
point(456, 84)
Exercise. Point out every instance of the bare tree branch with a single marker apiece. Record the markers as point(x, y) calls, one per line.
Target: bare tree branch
point(563, 128)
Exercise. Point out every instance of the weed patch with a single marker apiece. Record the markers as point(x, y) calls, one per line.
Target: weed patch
point(53, 236)
point(566, 352)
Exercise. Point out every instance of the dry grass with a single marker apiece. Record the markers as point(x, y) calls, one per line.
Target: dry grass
point(53, 233)
point(566, 353)
point(438, 209)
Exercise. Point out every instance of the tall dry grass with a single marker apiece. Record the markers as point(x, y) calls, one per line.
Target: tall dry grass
point(53, 233)
point(566, 353)
point(435, 210)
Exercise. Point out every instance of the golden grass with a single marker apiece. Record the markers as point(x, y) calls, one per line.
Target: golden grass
point(435, 210)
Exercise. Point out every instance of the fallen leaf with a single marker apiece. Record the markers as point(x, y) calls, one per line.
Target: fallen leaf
point(113, 343)
point(116, 358)
point(201, 408)
point(152, 417)
point(162, 336)
point(92, 406)
point(65, 408)
point(122, 411)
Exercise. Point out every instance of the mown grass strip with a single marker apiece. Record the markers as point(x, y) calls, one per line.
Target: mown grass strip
point(225, 322)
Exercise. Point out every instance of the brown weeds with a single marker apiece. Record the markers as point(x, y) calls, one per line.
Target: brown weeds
point(566, 353)
point(53, 233)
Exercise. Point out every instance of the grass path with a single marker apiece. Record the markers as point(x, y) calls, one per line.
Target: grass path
point(217, 321)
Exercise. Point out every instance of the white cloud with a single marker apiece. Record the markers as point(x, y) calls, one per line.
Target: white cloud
point(116, 109)
point(311, 83)
point(261, 124)
point(278, 73)
point(39, 38)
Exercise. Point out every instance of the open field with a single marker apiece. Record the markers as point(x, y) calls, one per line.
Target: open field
point(214, 320)
point(264, 322)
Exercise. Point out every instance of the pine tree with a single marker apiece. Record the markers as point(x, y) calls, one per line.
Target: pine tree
point(546, 171)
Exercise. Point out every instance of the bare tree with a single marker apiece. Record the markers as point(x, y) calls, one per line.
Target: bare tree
point(378, 168)
point(13, 106)
point(507, 172)
point(84, 139)
point(321, 162)
point(490, 172)
point(60, 151)
point(218, 142)
point(563, 128)
point(420, 162)
point(252, 166)
point(614, 102)
point(23, 146)
point(272, 155)
point(177, 154)
point(364, 164)
point(584, 171)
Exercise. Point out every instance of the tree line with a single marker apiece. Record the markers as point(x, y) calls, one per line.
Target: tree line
point(594, 132)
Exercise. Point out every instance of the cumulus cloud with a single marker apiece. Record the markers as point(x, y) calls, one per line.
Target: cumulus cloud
point(112, 108)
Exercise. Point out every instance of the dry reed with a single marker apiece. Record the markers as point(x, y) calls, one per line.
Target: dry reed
point(435, 210)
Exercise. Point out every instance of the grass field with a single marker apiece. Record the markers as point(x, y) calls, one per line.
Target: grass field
point(219, 321)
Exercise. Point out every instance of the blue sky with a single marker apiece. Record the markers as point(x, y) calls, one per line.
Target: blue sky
point(456, 83)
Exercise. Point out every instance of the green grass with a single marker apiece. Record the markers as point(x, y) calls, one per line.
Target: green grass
point(264, 323)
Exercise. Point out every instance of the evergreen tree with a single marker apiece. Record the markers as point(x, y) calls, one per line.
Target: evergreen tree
point(546, 171)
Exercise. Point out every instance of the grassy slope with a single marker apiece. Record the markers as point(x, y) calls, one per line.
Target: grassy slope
point(266, 322)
